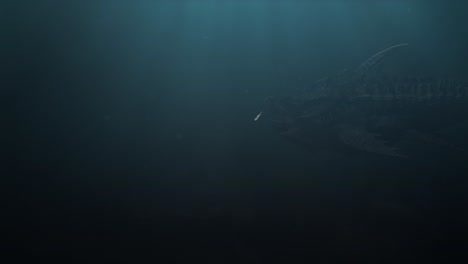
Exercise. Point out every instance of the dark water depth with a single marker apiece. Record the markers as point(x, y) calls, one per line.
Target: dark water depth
point(128, 134)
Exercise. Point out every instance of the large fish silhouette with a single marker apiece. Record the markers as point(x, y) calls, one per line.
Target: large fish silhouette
point(363, 110)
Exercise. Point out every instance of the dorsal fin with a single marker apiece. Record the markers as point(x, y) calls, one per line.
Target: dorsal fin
point(366, 67)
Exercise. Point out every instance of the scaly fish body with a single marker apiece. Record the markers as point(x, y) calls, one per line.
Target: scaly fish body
point(367, 112)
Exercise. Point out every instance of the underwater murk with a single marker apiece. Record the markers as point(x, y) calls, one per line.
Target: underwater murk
point(234, 131)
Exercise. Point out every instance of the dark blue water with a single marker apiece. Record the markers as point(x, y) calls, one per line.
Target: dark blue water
point(128, 133)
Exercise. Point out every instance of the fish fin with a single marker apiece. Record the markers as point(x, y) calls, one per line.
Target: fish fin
point(436, 140)
point(364, 140)
point(367, 66)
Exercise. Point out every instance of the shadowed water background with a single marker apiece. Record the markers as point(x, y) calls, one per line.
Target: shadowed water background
point(128, 133)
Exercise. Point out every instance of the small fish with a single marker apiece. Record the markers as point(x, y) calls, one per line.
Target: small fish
point(258, 116)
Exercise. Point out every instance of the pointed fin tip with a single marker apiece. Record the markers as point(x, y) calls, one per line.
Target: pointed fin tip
point(376, 59)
